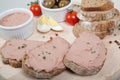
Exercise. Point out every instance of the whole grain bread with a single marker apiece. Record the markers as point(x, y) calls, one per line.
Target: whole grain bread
point(97, 15)
point(96, 5)
point(41, 74)
point(86, 55)
point(79, 29)
point(100, 28)
point(16, 47)
point(46, 61)
point(82, 71)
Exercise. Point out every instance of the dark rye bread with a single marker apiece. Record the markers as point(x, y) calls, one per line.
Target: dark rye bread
point(46, 61)
point(14, 47)
point(96, 5)
point(97, 15)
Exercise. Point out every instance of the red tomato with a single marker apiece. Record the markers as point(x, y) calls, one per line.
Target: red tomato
point(36, 10)
point(71, 17)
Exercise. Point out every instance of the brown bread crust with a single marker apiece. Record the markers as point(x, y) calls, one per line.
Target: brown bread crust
point(97, 15)
point(42, 74)
point(107, 6)
point(82, 71)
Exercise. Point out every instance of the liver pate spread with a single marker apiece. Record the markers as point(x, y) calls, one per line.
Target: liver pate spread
point(15, 49)
point(49, 56)
point(87, 51)
point(14, 19)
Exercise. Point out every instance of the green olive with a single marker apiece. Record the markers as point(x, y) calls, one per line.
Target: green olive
point(63, 3)
point(49, 3)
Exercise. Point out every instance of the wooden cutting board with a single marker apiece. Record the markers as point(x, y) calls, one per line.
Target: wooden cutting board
point(110, 70)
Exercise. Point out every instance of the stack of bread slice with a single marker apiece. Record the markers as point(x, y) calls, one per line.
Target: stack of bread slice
point(97, 16)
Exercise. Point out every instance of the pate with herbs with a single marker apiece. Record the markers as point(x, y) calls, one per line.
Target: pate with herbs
point(87, 51)
point(49, 56)
point(14, 19)
point(15, 49)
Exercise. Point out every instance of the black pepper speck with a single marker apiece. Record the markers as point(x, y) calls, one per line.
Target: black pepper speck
point(44, 57)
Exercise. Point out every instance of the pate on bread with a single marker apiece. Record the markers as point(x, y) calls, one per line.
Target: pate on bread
point(86, 55)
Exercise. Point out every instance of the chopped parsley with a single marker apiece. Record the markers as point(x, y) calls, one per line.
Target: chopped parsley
point(22, 46)
point(54, 47)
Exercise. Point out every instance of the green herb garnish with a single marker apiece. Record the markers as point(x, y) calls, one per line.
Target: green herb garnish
point(10, 44)
point(19, 47)
point(42, 52)
point(88, 42)
point(23, 46)
point(54, 47)
point(93, 52)
point(49, 53)
point(38, 54)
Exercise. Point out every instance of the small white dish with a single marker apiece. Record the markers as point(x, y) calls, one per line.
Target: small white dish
point(57, 14)
point(21, 31)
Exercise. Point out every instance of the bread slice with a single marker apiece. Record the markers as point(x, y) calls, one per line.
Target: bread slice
point(81, 70)
point(14, 49)
point(96, 5)
point(97, 15)
point(78, 29)
point(46, 61)
point(41, 74)
point(100, 28)
point(86, 55)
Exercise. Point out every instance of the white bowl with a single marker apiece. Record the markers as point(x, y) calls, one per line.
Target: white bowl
point(57, 14)
point(21, 31)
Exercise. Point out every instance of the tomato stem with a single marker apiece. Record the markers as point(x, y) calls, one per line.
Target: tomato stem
point(70, 10)
point(35, 2)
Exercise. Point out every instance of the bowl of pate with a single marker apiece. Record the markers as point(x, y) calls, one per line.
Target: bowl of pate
point(16, 23)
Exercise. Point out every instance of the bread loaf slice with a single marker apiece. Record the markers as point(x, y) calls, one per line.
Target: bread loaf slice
point(96, 5)
point(41, 74)
point(98, 27)
point(79, 29)
point(86, 55)
point(97, 15)
point(46, 61)
point(14, 49)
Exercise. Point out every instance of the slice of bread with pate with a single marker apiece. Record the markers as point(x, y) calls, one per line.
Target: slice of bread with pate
point(87, 55)
point(96, 5)
point(46, 61)
point(14, 49)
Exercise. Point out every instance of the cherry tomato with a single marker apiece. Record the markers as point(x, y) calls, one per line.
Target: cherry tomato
point(71, 17)
point(36, 9)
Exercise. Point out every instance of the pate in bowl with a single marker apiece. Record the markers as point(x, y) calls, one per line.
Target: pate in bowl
point(16, 23)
